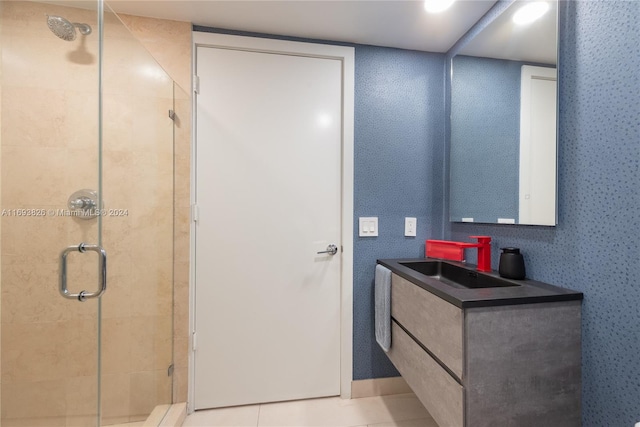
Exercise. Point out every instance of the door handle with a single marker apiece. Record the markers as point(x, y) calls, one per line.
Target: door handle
point(331, 250)
point(102, 260)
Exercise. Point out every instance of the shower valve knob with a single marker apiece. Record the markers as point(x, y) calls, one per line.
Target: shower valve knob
point(83, 204)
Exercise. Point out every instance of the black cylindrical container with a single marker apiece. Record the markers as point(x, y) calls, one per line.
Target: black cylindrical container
point(511, 264)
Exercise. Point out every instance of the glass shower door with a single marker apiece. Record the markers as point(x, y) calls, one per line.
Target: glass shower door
point(137, 230)
point(86, 162)
point(49, 152)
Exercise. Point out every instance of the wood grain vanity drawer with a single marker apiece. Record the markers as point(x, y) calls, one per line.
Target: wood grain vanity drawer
point(437, 324)
point(440, 394)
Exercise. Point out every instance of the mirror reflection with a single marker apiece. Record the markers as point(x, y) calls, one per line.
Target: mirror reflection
point(503, 121)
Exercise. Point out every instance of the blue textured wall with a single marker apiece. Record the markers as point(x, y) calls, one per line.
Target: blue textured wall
point(595, 247)
point(485, 139)
point(399, 134)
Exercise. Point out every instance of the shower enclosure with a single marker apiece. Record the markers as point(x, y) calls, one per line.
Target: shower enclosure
point(87, 123)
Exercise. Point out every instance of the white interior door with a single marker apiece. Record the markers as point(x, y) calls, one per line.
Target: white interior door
point(268, 191)
point(538, 147)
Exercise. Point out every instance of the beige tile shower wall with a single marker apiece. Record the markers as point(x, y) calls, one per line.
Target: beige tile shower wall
point(49, 115)
point(138, 181)
point(170, 44)
point(181, 231)
point(49, 149)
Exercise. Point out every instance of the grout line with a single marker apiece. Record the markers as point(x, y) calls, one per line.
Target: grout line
point(258, 420)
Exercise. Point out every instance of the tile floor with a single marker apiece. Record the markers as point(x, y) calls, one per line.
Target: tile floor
point(399, 410)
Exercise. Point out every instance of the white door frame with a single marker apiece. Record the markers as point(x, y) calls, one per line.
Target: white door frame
point(347, 56)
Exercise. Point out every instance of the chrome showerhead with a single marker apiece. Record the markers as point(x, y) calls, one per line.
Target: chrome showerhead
point(66, 30)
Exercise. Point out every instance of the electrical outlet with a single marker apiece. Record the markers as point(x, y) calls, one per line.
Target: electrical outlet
point(410, 225)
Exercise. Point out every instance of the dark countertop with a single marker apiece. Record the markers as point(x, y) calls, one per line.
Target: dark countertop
point(526, 291)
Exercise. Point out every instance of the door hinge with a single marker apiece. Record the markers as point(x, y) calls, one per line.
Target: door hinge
point(172, 115)
point(196, 84)
point(194, 342)
point(170, 370)
point(195, 213)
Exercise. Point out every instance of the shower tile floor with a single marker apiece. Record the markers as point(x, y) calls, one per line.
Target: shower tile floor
point(399, 410)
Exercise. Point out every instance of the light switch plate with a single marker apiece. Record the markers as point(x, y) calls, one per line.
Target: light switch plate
point(368, 226)
point(410, 225)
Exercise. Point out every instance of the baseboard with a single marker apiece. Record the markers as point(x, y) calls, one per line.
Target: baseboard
point(379, 387)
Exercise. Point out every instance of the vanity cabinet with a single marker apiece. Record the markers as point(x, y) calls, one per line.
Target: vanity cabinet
point(506, 365)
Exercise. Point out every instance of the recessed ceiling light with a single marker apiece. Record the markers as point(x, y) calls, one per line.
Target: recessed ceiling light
point(437, 6)
point(530, 12)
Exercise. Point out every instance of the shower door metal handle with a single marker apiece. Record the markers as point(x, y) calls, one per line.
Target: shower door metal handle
point(83, 295)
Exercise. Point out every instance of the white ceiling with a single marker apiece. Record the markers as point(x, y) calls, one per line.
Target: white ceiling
point(397, 23)
point(502, 39)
